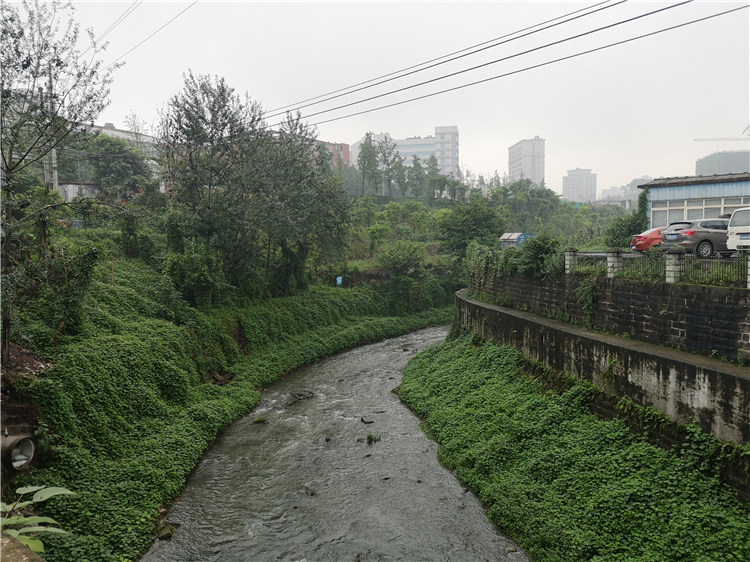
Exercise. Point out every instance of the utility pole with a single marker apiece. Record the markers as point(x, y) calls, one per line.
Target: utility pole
point(53, 153)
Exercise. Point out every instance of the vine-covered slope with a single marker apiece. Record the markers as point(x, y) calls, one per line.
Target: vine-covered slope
point(131, 403)
point(564, 484)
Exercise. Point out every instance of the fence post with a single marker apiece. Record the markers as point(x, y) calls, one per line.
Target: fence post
point(571, 260)
point(614, 263)
point(675, 265)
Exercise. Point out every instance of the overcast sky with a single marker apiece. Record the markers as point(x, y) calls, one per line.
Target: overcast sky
point(624, 112)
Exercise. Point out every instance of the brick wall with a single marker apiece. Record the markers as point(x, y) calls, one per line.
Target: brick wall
point(702, 319)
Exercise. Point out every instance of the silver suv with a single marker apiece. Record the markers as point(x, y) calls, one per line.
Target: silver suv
point(704, 237)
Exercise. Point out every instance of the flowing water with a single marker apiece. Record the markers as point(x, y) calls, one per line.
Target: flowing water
point(305, 485)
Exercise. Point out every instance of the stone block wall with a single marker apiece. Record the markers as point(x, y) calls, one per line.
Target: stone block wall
point(712, 321)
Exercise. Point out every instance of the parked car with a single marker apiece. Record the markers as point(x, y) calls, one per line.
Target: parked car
point(703, 237)
point(646, 240)
point(738, 233)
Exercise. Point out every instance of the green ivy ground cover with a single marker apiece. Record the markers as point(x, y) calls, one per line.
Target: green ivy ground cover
point(128, 404)
point(564, 484)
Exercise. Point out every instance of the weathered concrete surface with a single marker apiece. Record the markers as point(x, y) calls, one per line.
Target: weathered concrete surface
point(13, 551)
point(681, 385)
point(713, 321)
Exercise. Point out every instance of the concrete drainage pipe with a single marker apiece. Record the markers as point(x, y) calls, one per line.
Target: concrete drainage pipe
point(18, 451)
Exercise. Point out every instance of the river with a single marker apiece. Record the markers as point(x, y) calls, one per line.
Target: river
point(297, 480)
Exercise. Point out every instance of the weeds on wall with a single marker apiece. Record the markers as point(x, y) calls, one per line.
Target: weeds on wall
point(586, 296)
point(564, 484)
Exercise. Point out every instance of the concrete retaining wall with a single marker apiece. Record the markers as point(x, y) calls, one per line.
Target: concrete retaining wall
point(683, 386)
point(712, 321)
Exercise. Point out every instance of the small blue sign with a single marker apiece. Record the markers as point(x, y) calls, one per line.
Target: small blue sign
point(339, 280)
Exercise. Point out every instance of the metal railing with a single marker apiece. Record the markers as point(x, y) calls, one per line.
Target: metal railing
point(722, 272)
point(648, 267)
point(669, 267)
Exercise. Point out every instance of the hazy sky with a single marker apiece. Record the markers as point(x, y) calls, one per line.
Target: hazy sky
point(626, 111)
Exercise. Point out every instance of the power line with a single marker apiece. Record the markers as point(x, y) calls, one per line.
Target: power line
point(150, 36)
point(117, 22)
point(443, 77)
point(298, 107)
point(294, 105)
point(530, 67)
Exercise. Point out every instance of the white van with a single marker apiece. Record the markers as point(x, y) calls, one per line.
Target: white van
point(738, 232)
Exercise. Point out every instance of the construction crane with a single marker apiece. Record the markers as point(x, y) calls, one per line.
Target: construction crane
point(746, 132)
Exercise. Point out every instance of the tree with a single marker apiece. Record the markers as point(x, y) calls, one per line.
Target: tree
point(435, 182)
point(49, 94)
point(314, 207)
point(389, 160)
point(215, 160)
point(622, 229)
point(367, 162)
point(474, 221)
point(416, 177)
point(206, 135)
point(118, 165)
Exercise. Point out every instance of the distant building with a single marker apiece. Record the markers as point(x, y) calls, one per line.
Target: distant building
point(626, 196)
point(696, 197)
point(579, 185)
point(444, 145)
point(526, 160)
point(338, 150)
point(727, 162)
point(147, 144)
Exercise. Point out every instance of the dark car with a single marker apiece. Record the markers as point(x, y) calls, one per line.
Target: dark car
point(704, 237)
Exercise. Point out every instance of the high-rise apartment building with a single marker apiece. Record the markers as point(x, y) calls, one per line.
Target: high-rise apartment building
point(444, 146)
point(526, 160)
point(579, 185)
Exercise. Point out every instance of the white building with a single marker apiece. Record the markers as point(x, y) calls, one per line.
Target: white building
point(443, 145)
point(579, 185)
point(725, 162)
point(526, 160)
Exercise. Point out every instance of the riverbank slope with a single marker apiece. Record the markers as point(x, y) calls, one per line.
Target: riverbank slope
point(143, 384)
point(564, 484)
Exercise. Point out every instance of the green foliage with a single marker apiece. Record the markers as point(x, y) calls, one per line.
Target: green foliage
point(539, 256)
point(586, 296)
point(401, 256)
point(128, 406)
point(197, 274)
point(622, 229)
point(118, 166)
point(564, 484)
point(20, 526)
point(372, 439)
point(475, 221)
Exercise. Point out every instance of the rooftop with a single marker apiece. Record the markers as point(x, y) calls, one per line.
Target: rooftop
point(696, 180)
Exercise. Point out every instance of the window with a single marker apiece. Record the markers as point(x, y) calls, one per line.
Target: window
point(712, 213)
point(695, 214)
point(658, 218)
point(741, 218)
point(676, 215)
